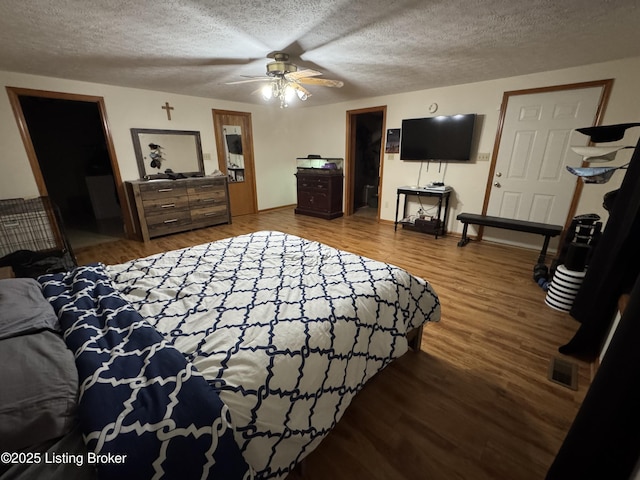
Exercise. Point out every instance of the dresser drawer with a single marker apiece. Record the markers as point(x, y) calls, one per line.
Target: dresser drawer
point(154, 206)
point(207, 197)
point(150, 191)
point(177, 217)
point(158, 230)
point(198, 186)
point(210, 215)
point(313, 183)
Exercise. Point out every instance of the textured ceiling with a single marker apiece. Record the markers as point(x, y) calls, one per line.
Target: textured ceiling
point(376, 47)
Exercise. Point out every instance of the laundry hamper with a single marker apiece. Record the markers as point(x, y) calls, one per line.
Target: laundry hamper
point(563, 288)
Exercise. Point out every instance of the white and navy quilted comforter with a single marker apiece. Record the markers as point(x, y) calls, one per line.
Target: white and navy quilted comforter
point(145, 412)
point(286, 330)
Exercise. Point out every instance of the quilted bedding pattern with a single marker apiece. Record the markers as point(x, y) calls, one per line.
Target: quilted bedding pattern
point(142, 406)
point(287, 330)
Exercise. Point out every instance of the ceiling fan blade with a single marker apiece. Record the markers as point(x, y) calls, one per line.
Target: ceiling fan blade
point(325, 82)
point(249, 80)
point(297, 86)
point(258, 91)
point(307, 72)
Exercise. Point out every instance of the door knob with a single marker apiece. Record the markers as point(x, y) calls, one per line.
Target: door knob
point(497, 184)
point(499, 174)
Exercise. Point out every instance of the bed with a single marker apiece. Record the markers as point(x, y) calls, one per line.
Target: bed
point(231, 359)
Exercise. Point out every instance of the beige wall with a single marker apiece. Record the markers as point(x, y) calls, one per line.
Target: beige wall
point(282, 135)
point(324, 131)
point(133, 108)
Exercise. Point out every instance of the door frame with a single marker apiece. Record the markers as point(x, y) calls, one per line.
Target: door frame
point(350, 162)
point(15, 93)
point(220, 148)
point(606, 85)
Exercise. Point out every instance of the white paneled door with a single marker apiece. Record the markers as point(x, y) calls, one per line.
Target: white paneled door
point(530, 180)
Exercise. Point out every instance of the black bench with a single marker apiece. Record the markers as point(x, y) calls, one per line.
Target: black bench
point(509, 224)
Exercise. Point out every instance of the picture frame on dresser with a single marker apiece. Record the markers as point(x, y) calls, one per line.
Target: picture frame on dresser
point(167, 153)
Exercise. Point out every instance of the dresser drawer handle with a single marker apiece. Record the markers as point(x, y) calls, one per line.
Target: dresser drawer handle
point(162, 190)
point(168, 205)
point(210, 214)
point(206, 186)
point(173, 220)
point(11, 225)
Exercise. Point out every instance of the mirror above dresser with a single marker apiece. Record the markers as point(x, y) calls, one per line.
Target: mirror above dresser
point(167, 153)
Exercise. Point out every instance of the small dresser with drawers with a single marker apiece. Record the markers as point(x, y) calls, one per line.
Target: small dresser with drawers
point(161, 207)
point(320, 187)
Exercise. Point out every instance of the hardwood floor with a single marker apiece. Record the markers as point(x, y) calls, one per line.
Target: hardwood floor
point(475, 403)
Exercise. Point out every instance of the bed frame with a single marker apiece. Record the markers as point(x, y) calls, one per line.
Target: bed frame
point(414, 338)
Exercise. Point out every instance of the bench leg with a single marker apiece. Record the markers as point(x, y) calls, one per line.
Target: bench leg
point(543, 253)
point(464, 240)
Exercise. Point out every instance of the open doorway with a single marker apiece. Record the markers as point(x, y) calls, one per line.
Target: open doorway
point(75, 166)
point(365, 144)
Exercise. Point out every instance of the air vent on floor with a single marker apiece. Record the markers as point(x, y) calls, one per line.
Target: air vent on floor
point(564, 372)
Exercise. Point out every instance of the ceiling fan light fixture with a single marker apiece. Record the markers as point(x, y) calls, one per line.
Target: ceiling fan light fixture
point(286, 81)
point(289, 93)
point(283, 90)
point(277, 69)
point(267, 92)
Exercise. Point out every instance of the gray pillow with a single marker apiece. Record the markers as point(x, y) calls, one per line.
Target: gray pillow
point(23, 308)
point(39, 390)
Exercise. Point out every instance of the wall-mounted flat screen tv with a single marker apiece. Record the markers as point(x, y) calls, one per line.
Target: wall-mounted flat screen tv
point(437, 138)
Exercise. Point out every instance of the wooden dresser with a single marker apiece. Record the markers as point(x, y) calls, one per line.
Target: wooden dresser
point(320, 192)
point(161, 207)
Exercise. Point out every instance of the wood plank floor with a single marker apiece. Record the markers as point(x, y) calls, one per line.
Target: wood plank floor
point(475, 403)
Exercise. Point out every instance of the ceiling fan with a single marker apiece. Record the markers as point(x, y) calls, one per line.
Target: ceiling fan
point(286, 81)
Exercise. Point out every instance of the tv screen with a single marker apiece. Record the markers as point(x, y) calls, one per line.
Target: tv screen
point(437, 138)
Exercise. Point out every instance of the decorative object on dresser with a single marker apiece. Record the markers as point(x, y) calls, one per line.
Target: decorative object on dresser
point(162, 207)
point(320, 186)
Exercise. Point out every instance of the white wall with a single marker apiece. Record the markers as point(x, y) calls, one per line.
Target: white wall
point(281, 135)
point(325, 126)
point(128, 108)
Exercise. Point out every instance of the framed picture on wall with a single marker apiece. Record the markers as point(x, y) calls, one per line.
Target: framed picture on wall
point(393, 141)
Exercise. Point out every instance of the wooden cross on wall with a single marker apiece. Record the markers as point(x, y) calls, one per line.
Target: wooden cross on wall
point(168, 109)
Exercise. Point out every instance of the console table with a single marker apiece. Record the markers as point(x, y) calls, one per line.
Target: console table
point(440, 225)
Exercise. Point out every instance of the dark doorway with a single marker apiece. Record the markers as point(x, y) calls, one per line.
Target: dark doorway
point(366, 168)
point(71, 150)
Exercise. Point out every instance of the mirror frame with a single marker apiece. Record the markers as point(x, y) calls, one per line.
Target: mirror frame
point(198, 160)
